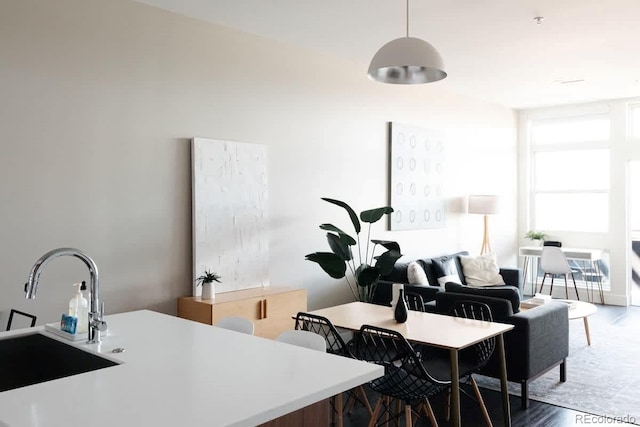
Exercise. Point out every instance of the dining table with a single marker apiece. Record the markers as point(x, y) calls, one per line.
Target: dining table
point(438, 330)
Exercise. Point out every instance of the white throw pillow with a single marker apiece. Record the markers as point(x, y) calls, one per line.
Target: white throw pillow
point(416, 274)
point(446, 279)
point(481, 271)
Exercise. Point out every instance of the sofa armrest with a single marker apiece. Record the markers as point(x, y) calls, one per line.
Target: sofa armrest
point(538, 341)
point(384, 290)
point(513, 277)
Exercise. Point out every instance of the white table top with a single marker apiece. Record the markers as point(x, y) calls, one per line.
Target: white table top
point(176, 372)
point(570, 253)
point(430, 328)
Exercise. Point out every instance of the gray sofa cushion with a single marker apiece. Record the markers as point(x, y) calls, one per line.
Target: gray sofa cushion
point(509, 293)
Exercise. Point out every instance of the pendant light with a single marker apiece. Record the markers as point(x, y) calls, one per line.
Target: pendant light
point(407, 60)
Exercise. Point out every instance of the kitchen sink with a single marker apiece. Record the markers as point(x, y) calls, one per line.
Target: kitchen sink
point(34, 358)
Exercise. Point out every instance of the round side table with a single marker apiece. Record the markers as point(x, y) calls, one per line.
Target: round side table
point(581, 310)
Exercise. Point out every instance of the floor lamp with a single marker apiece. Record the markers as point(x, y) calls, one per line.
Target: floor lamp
point(485, 205)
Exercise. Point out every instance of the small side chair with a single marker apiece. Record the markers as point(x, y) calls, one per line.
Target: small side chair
point(238, 324)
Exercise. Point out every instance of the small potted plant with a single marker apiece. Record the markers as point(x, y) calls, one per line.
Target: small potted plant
point(206, 280)
point(535, 236)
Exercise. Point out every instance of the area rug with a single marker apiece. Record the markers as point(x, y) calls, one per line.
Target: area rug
point(602, 379)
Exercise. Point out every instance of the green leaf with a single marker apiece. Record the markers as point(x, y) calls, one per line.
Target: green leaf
point(331, 263)
point(339, 246)
point(351, 212)
point(330, 227)
point(368, 276)
point(386, 261)
point(374, 215)
point(387, 244)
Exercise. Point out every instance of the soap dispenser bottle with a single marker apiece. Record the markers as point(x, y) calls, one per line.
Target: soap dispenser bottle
point(79, 308)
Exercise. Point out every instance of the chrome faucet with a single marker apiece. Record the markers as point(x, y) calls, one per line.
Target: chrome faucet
point(96, 311)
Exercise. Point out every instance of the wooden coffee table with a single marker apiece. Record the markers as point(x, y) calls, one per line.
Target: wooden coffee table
point(581, 310)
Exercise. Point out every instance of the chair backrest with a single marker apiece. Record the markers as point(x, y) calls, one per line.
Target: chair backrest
point(405, 376)
point(302, 338)
point(323, 327)
point(552, 243)
point(414, 301)
point(21, 313)
point(238, 324)
point(554, 261)
point(478, 311)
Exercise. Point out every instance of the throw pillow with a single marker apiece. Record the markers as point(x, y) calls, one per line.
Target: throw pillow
point(481, 271)
point(446, 270)
point(416, 274)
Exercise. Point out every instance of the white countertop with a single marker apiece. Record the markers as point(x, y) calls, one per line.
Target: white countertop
point(176, 372)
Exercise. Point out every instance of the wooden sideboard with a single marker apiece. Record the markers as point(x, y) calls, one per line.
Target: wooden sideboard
point(270, 308)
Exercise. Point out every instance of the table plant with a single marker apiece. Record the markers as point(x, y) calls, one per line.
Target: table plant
point(535, 236)
point(206, 280)
point(360, 266)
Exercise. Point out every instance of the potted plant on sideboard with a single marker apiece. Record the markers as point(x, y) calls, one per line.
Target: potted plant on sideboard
point(206, 280)
point(346, 259)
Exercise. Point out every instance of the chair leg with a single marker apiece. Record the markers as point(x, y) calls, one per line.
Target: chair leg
point(574, 286)
point(374, 416)
point(566, 287)
point(407, 416)
point(448, 411)
point(429, 410)
point(542, 284)
point(551, 293)
point(365, 400)
point(339, 409)
point(563, 371)
point(485, 413)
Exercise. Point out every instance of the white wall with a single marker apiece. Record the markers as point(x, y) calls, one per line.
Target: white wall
point(100, 100)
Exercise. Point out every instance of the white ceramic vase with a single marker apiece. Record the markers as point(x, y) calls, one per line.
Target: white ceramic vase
point(208, 290)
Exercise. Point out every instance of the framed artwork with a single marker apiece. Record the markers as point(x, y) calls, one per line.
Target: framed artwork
point(230, 201)
point(416, 167)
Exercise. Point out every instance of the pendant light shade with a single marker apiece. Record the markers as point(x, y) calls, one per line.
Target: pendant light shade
point(407, 60)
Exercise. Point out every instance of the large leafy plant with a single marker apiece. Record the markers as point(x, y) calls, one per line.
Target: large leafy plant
point(362, 269)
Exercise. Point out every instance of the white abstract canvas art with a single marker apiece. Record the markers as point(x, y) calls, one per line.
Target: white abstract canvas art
point(230, 203)
point(417, 179)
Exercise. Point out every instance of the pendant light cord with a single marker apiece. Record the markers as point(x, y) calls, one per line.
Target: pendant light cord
point(407, 18)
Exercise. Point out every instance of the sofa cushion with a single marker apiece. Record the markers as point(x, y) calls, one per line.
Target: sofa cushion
point(416, 274)
point(398, 273)
point(509, 293)
point(446, 270)
point(481, 271)
point(430, 268)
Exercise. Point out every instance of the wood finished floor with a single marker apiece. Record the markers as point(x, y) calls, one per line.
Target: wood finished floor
point(538, 413)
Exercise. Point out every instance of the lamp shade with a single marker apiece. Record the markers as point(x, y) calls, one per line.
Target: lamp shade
point(407, 60)
point(483, 204)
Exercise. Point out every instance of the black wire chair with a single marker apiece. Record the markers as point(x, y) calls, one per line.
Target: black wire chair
point(405, 376)
point(22, 313)
point(474, 358)
point(335, 345)
point(414, 301)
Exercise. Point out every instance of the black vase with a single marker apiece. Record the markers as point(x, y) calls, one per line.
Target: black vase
point(401, 311)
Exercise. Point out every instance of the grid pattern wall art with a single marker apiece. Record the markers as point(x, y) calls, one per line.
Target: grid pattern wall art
point(230, 229)
point(417, 167)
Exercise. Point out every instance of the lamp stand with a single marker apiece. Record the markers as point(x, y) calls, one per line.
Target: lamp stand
point(486, 245)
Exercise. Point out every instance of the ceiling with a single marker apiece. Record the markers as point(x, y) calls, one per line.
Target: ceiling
point(493, 49)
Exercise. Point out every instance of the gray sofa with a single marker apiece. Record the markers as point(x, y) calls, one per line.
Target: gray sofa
point(539, 340)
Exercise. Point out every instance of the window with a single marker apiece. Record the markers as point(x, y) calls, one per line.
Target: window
point(570, 174)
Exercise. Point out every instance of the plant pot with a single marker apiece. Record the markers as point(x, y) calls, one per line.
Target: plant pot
point(208, 291)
